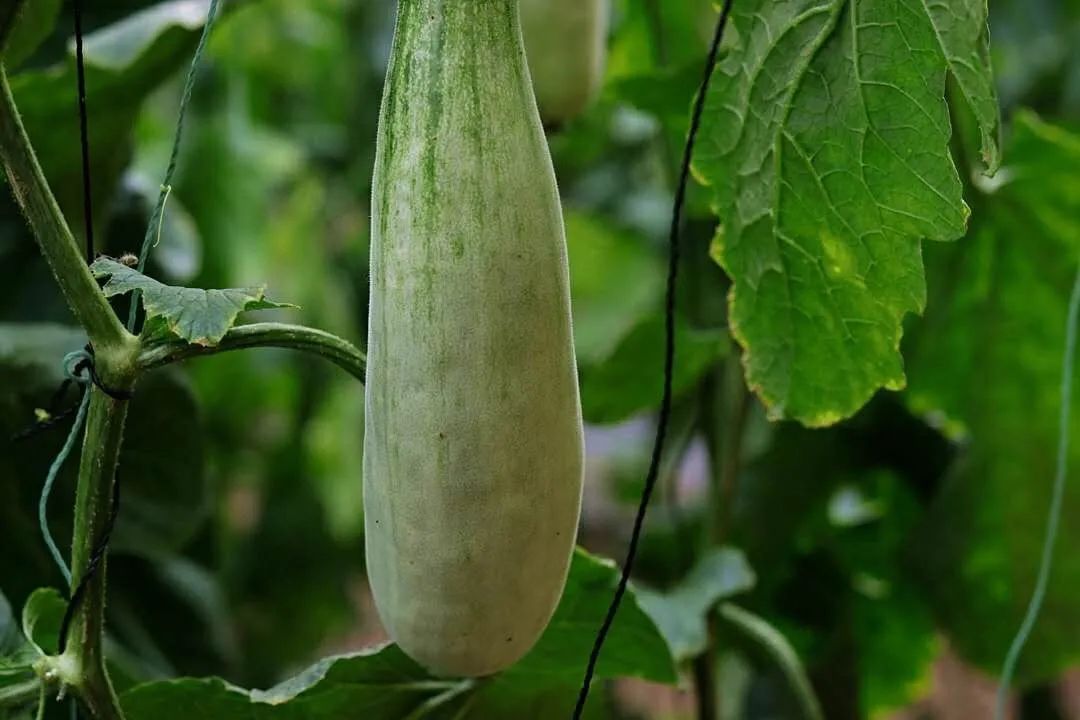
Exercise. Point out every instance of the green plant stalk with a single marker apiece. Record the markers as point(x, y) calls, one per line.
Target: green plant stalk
point(712, 423)
point(725, 442)
point(777, 650)
point(31, 191)
point(704, 674)
point(684, 426)
point(726, 407)
point(295, 337)
point(83, 662)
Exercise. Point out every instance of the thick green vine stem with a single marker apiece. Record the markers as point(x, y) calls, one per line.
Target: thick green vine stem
point(82, 666)
point(32, 192)
point(296, 337)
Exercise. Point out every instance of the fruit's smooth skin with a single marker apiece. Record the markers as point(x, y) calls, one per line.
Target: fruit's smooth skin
point(566, 41)
point(473, 453)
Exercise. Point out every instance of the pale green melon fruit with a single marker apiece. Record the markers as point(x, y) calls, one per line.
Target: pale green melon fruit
point(566, 41)
point(473, 451)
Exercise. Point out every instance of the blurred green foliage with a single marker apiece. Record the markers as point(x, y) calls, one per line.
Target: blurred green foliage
point(871, 545)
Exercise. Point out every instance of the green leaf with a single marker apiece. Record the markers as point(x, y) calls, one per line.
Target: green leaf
point(630, 380)
point(656, 58)
point(681, 612)
point(535, 699)
point(685, 29)
point(962, 35)
point(33, 25)
point(201, 317)
point(41, 618)
point(826, 145)
point(381, 683)
point(893, 625)
point(986, 367)
point(19, 696)
point(384, 683)
point(831, 549)
point(615, 281)
point(1033, 48)
point(898, 644)
point(635, 647)
point(129, 42)
point(665, 93)
point(125, 62)
point(654, 65)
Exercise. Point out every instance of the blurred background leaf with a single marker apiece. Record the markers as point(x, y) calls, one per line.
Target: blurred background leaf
point(876, 547)
point(986, 368)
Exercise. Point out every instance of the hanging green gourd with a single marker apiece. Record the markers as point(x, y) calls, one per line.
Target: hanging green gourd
point(566, 42)
point(473, 452)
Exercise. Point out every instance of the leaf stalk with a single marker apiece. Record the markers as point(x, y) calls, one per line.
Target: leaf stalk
point(281, 335)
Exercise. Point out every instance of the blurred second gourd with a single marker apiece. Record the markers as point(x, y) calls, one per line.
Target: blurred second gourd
point(566, 42)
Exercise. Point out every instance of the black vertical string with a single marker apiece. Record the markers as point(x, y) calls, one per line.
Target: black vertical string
point(664, 418)
point(84, 135)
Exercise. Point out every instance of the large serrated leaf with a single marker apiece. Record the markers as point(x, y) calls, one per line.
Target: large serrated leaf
point(826, 144)
point(201, 317)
